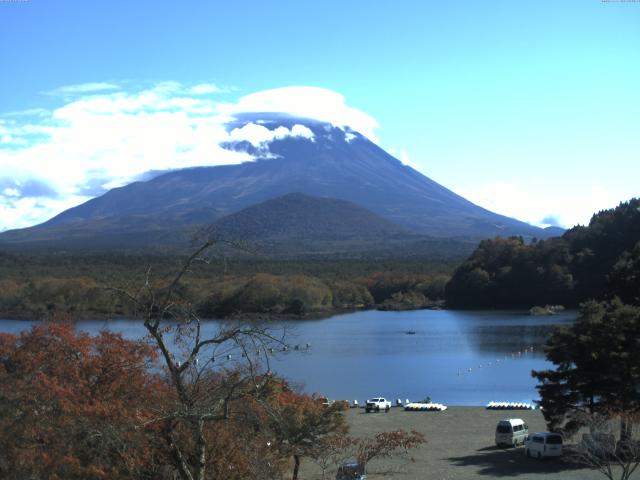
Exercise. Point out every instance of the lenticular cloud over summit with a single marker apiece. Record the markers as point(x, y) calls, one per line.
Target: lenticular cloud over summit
point(308, 102)
point(96, 139)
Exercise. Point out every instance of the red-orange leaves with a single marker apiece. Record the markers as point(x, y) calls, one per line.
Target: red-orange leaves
point(70, 404)
point(387, 444)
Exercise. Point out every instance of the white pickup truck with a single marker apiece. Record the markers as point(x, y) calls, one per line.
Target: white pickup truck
point(377, 404)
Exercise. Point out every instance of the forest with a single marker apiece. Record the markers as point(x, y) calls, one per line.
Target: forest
point(598, 261)
point(173, 405)
point(38, 285)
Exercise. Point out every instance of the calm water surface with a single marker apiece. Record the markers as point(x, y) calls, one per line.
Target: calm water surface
point(456, 358)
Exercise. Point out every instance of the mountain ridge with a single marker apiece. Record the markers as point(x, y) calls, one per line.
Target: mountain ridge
point(336, 163)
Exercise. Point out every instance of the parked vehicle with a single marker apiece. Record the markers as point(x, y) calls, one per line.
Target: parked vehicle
point(326, 402)
point(511, 432)
point(543, 444)
point(377, 404)
point(351, 471)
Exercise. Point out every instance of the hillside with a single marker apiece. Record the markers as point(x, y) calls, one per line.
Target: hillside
point(592, 262)
point(334, 163)
point(300, 217)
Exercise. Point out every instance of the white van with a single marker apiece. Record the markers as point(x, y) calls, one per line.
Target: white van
point(511, 432)
point(543, 444)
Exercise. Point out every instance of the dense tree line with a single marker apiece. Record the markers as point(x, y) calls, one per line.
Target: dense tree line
point(37, 287)
point(597, 365)
point(180, 403)
point(601, 259)
point(593, 385)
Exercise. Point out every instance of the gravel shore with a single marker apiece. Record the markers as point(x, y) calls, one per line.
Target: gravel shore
point(460, 445)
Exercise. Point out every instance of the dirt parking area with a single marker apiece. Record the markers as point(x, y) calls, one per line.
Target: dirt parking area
point(460, 445)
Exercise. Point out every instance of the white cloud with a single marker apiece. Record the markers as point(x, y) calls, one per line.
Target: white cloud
point(40, 112)
point(258, 135)
point(308, 102)
point(104, 137)
point(406, 160)
point(27, 211)
point(205, 89)
point(535, 204)
point(83, 88)
point(301, 131)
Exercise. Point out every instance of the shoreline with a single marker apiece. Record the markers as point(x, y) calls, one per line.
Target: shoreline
point(248, 316)
point(272, 317)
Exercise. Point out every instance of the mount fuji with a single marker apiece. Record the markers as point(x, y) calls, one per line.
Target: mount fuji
point(327, 163)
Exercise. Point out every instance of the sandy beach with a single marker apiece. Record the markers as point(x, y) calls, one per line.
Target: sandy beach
point(460, 445)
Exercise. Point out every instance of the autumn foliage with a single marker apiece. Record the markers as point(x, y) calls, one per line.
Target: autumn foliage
point(70, 402)
point(76, 406)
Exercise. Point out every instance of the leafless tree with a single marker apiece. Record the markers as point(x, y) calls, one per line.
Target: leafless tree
point(332, 452)
point(387, 444)
point(207, 370)
point(335, 450)
point(612, 445)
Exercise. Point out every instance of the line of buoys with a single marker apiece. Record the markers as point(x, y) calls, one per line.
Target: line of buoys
point(497, 361)
point(425, 407)
point(286, 348)
point(510, 406)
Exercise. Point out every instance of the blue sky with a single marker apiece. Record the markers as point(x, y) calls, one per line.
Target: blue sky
point(527, 108)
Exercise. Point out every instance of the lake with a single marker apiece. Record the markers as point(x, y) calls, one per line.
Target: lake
point(454, 357)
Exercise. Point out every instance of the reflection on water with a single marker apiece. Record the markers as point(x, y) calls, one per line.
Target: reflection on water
point(457, 358)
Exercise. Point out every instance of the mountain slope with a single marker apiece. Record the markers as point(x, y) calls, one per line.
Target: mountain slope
point(299, 217)
point(335, 164)
point(297, 225)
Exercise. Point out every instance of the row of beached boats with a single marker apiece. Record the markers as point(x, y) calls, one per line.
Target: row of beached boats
point(510, 406)
point(439, 407)
point(425, 407)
